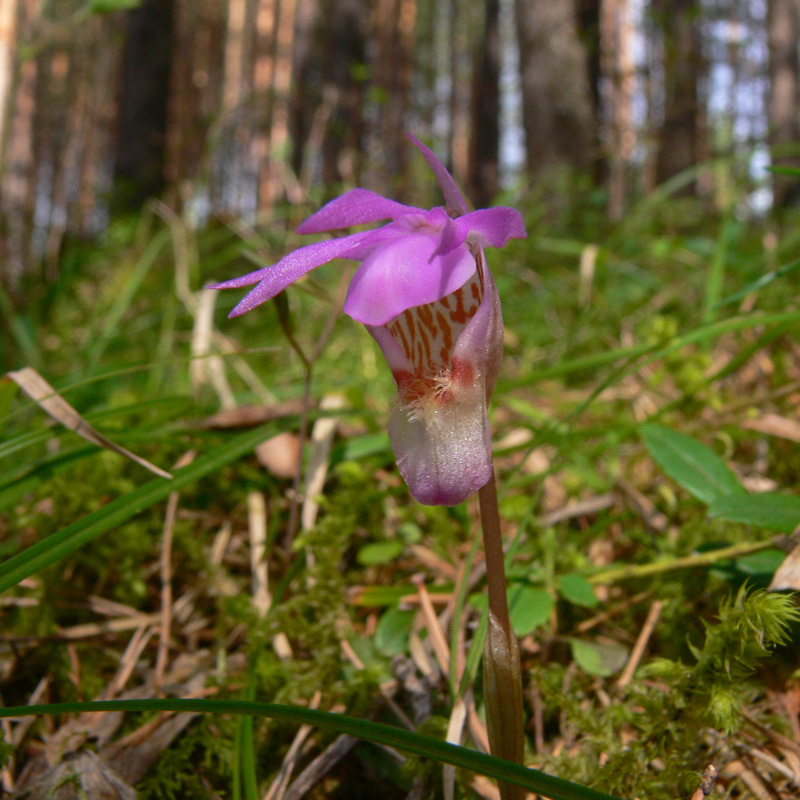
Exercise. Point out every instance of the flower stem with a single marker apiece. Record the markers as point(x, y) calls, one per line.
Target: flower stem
point(502, 677)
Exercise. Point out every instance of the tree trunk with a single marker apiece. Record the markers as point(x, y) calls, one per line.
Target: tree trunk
point(556, 97)
point(458, 101)
point(679, 134)
point(276, 180)
point(395, 21)
point(142, 119)
point(8, 35)
point(783, 32)
point(589, 12)
point(483, 182)
point(618, 71)
point(343, 42)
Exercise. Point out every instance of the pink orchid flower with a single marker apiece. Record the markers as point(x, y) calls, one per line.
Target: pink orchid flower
point(425, 294)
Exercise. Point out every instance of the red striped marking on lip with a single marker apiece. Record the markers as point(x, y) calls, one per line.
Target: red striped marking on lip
point(428, 334)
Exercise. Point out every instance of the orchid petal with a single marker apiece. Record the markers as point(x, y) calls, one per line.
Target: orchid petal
point(242, 280)
point(451, 237)
point(354, 208)
point(493, 227)
point(403, 273)
point(273, 280)
point(452, 194)
point(481, 341)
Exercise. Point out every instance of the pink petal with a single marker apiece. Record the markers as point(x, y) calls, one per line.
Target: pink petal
point(273, 280)
point(452, 236)
point(353, 208)
point(405, 272)
point(452, 194)
point(481, 342)
point(494, 226)
point(242, 280)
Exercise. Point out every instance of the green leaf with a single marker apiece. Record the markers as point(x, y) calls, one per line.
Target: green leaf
point(84, 530)
point(531, 779)
point(694, 466)
point(576, 589)
point(760, 283)
point(376, 553)
point(777, 512)
point(109, 6)
point(765, 562)
point(528, 608)
point(393, 630)
point(598, 659)
point(781, 170)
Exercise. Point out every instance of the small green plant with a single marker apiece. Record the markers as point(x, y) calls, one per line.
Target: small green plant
point(746, 632)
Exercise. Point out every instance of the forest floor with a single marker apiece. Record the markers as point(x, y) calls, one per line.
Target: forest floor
point(647, 448)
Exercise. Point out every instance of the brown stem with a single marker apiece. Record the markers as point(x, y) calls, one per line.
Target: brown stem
point(493, 548)
point(502, 676)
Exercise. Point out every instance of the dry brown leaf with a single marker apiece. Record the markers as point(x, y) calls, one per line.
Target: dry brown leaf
point(46, 397)
point(787, 576)
point(280, 454)
point(84, 775)
point(250, 416)
point(774, 425)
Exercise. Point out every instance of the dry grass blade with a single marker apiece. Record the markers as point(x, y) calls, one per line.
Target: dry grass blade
point(440, 647)
point(46, 397)
point(257, 525)
point(320, 766)
point(321, 441)
point(455, 730)
point(205, 367)
point(166, 576)
point(281, 782)
point(641, 643)
point(774, 425)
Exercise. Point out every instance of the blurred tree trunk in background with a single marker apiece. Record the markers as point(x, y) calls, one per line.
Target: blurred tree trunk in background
point(344, 45)
point(277, 178)
point(679, 145)
point(556, 98)
point(305, 98)
point(142, 117)
point(616, 45)
point(783, 34)
point(329, 76)
point(194, 91)
point(395, 23)
point(483, 176)
point(588, 21)
point(457, 19)
point(18, 184)
point(8, 31)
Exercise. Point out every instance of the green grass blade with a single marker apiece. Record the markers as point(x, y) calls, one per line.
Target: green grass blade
point(763, 281)
point(99, 340)
point(22, 336)
point(246, 738)
point(84, 530)
point(458, 610)
point(462, 757)
point(697, 335)
point(716, 273)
